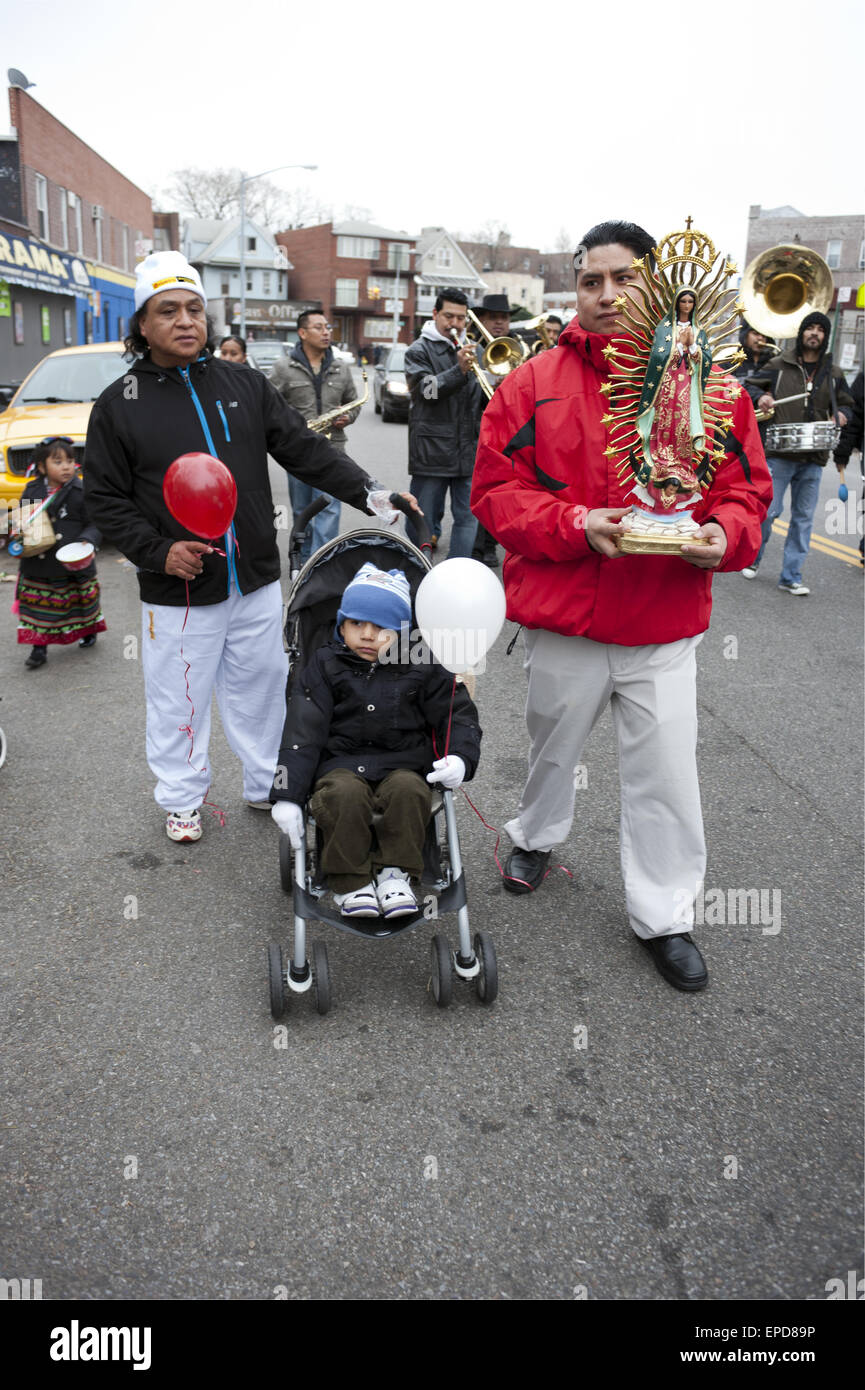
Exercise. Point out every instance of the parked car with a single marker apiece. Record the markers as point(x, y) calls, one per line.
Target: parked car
point(389, 387)
point(263, 353)
point(343, 355)
point(55, 399)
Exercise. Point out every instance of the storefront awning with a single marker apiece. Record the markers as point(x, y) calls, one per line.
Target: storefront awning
point(25, 261)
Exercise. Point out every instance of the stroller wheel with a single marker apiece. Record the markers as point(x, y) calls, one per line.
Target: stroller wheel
point(320, 977)
point(442, 971)
point(277, 984)
point(487, 983)
point(286, 864)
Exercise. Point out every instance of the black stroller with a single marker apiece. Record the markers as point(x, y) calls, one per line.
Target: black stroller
point(316, 588)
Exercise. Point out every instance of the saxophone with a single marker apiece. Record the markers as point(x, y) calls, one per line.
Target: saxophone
point(320, 424)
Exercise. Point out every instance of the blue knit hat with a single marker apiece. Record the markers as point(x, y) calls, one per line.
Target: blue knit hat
point(374, 596)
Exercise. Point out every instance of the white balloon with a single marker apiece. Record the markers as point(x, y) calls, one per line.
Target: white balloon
point(460, 608)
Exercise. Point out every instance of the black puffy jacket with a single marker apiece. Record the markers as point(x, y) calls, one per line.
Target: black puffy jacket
point(446, 408)
point(371, 718)
point(146, 419)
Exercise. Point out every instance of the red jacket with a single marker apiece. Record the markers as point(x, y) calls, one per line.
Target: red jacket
point(541, 454)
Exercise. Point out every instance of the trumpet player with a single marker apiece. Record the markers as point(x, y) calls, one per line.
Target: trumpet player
point(314, 382)
point(446, 404)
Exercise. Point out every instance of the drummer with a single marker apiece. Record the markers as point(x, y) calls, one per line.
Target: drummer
point(805, 368)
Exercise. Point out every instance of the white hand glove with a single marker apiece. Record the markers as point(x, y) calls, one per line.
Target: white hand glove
point(379, 501)
point(289, 817)
point(450, 771)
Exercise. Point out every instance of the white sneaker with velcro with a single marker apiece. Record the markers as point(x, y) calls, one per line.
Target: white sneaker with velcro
point(394, 893)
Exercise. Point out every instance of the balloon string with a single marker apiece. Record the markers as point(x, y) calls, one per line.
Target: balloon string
point(511, 877)
point(450, 717)
point(187, 729)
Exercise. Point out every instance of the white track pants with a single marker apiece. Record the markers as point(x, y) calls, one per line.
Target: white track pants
point(653, 697)
point(234, 650)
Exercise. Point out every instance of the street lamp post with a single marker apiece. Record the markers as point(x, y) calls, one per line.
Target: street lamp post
point(244, 180)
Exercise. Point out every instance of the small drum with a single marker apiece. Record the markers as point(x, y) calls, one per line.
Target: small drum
point(808, 437)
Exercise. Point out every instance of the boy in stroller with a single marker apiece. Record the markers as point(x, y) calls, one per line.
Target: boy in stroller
point(358, 736)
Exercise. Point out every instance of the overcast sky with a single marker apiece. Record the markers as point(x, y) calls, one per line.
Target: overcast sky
point(543, 116)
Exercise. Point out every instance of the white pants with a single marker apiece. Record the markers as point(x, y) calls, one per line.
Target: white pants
point(653, 697)
point(234, 649)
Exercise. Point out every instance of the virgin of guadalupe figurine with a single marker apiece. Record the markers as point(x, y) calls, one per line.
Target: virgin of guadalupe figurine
point(670, 419)
point(667, 408)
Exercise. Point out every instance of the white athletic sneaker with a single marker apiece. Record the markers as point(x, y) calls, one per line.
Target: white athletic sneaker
point(361, 903)
point(183, 825)
point(750, 572)
point(394, 893)
point(800, 590)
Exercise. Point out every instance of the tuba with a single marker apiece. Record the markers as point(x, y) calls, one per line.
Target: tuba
point(781, 286)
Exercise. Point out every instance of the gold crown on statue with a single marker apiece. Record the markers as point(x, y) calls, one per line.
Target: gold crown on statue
point(695, 247)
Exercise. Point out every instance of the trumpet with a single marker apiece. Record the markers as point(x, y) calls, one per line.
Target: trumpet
point(320, 424)
point(537, 325)
point(482, 381)
point(501, 355)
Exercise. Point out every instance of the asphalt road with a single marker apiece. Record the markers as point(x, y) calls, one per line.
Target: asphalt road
point(162, 1140)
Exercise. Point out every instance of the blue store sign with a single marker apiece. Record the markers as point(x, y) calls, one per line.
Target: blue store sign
point(24, 261)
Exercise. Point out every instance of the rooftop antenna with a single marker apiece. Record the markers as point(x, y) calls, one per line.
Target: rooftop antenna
point(17, 79)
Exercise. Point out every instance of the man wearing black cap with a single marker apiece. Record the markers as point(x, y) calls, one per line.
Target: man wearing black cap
point(805, 368)
point(758, 352)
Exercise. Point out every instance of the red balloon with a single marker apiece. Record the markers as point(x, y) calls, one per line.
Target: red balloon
point(201, 494)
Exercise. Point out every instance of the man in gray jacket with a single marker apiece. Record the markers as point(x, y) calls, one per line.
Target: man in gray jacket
point(446, 404)
point(315, 382)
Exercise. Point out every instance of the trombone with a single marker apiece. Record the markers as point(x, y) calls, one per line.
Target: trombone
point(501, 355)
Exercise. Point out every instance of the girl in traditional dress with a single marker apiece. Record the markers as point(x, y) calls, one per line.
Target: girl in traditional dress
point(54, 604)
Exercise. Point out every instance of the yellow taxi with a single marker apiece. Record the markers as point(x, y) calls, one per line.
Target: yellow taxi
point(55, 399)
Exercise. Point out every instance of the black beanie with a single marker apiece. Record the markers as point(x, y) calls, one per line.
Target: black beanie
point(812, 320)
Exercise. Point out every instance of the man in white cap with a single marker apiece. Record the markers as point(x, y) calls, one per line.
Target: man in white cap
point(223, 610)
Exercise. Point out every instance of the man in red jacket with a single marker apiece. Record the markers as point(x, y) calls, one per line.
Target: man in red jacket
point(606, 627)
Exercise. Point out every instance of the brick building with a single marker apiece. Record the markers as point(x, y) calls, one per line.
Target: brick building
point(360, 274)
point(70, 223)
point(840, 240)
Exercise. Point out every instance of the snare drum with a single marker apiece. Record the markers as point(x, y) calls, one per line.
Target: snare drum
point(809, 437)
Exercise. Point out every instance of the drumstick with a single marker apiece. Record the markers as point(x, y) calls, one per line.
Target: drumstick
point(842, 486)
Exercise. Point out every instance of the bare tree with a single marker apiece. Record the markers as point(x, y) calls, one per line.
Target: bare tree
point(215, 193)
point(564, 241)
point(496, 238)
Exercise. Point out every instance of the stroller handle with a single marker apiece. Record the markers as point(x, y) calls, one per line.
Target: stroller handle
point(418, 521)
point(301, 521)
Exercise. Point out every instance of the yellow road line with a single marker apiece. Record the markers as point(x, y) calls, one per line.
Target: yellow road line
point(828, 547)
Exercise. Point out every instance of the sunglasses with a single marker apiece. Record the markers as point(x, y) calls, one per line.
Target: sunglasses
point(57, 439)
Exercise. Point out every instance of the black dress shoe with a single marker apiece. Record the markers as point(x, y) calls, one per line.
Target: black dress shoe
point(527, 865)
point(38, 657)
point(678, 960)
point(89, 641)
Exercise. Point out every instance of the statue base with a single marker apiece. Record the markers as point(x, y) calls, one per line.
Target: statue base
point(638, 543)
point(644, 535)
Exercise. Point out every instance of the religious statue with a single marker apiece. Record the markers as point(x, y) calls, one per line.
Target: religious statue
point(668, 402)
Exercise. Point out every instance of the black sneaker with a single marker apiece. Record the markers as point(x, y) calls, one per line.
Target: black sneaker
point(525, 870)
point(38, 657)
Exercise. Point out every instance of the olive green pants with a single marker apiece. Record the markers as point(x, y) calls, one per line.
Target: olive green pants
point(354, 849)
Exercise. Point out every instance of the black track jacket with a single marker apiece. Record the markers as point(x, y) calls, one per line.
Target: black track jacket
point(143, 421)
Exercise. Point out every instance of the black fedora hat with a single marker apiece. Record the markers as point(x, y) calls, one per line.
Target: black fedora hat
point(493, 304)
